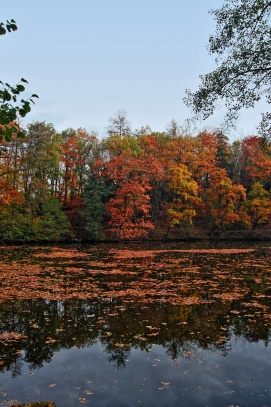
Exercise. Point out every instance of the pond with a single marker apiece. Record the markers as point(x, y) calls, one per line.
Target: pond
point(136, 325)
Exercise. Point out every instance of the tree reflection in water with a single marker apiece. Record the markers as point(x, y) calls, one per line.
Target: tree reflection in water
point(46, 326)
point(183, 301)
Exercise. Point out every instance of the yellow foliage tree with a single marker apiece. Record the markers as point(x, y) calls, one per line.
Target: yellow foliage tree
point(184, 196)
point(258, 204)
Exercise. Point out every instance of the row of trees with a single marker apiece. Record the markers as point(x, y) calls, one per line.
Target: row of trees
point(71, 185)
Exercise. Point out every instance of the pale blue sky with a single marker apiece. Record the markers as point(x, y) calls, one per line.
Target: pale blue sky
point(87, 59)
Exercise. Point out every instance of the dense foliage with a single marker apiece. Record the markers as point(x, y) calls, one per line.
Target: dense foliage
point(241, 45)
point(11, 106)
point(74, 186)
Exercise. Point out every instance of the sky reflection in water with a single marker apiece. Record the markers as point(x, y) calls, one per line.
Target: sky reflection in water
point(120, 352)
point(84, 376)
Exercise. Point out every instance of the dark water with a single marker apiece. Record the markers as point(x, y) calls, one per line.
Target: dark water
point(136, 325)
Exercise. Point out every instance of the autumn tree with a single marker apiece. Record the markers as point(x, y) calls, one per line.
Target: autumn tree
point(115, 145)
point(35, 162)
point(251, 162)
point(12, 218)
point(242, 78)
point(97, 190)
point(206, 163)
point(13, 223)
point(129, 207)
point(11, 198)
point(185, 199)
point(130, 210)
point(10, 161)
point(154, 148)
point(149, 152)
point(258, 204)
point(79, 150)
point(40, 157)
point(69, 159)
point(259, 160)
point(225, 201)
point(182, 150)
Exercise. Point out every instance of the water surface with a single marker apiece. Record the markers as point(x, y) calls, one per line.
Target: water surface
point(163, 325)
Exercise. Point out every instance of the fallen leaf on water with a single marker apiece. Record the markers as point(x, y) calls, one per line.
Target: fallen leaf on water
point(83, 400)
point(165, 386)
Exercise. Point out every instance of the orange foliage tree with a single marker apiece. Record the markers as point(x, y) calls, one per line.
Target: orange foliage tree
point(129, 207)
point(225, 201)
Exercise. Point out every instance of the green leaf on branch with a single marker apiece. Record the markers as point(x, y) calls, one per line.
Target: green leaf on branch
point(6, 96)
point(8, 93)
point(20, 88)
point(2, 30)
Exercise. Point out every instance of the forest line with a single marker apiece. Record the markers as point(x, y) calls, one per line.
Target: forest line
point(73, 186)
